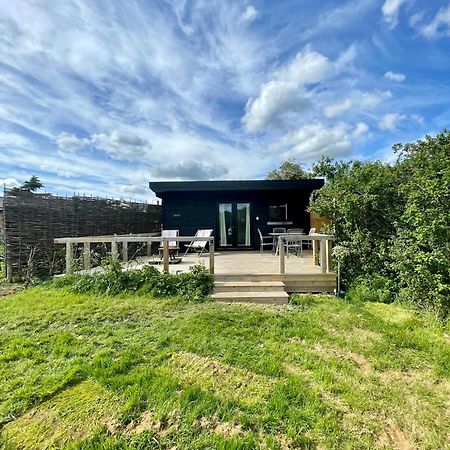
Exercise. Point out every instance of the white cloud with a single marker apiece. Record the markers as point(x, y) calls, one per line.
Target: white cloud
point(250, 13)
point(390, 121)
point(439, 26)
point(313, 140)
point(9, 182)
point(415, 19)
point(360, 129)
point(189, 170)
point(395, 76)
point(121, 145)
point(285, 92)
point(390, 10)
point(69, 142)
point(358, 101)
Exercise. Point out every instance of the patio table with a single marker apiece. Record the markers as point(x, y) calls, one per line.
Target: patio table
point(277, 235)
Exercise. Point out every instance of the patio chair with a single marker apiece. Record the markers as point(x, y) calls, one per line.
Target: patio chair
point(308, 243)
point(199, 246)
point(262, 243)
point(275, 238)
point(173, 245)
point(294, 246)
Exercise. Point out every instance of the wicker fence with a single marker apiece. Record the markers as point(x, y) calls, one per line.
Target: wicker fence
point(32, 221)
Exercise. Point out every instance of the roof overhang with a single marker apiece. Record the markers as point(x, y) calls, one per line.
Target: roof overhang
point(160, 187)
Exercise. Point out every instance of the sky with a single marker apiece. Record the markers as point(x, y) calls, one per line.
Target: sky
point(100, 97)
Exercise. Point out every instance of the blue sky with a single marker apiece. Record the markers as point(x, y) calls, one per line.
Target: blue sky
point(99, 97)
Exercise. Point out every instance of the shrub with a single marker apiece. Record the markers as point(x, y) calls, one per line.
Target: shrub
point(374, 288)
point(194, 286)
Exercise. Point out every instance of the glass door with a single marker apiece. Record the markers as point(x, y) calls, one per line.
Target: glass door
point(234, 220)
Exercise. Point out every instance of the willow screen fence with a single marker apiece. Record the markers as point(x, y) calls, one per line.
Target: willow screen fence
point(32, 221)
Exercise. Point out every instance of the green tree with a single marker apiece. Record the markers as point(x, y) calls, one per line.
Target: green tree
point(421, 250)
point(33, 184)
point(289, 170)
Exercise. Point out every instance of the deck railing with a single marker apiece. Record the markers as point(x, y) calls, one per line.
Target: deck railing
point(322, 245)
point(124, 240)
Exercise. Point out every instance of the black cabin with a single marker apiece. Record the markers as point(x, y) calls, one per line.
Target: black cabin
point(235, 209)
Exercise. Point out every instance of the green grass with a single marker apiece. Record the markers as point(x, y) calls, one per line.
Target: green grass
point(81, 371)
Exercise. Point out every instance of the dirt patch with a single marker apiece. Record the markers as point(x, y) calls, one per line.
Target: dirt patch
point(362, 363)
point(10, 289)
point(393, 437)
point(163, 426)
point(70, 415)
point(215, 425)
point(223, 380)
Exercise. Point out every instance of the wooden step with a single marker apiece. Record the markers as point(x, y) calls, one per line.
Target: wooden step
point(248, 286)
point(271, 297)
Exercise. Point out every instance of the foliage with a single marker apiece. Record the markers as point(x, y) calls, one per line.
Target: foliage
point(392, 222)
point(194, 286)
point(421, 252)
point(371, 288)
point(89, 371)
point(32, 185)
point(288, 170)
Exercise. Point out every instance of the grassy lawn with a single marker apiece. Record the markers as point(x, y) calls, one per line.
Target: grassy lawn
point(84, 372)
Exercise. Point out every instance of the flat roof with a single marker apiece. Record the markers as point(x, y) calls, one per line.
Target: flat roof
point(159, 187)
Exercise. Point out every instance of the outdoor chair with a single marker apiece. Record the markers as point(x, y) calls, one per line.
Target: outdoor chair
point(262, 243)
point(308, 243)
point(173, 245)
point(275, 238)
point(199, 246)
point(294, 246)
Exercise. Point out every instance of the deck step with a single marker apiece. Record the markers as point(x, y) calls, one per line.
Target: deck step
point(248, 286)
point(271, 297)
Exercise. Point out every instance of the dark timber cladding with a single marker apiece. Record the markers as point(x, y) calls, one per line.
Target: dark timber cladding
point(235, 209)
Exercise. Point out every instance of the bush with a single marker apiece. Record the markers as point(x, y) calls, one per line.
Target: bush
point(375, 288)
point(194, 286)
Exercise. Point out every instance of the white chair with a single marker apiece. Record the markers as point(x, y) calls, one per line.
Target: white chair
point(308, 243)
point(294, 245)
point(199, 246)
point(173, 245)
point(275, 238)
point(262, 243)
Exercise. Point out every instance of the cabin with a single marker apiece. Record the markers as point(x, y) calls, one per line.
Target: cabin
point(235, 210)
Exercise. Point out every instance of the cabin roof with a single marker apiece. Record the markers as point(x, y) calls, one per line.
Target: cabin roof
point(159, 187)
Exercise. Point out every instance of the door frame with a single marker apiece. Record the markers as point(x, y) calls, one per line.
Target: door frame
point(234, 245)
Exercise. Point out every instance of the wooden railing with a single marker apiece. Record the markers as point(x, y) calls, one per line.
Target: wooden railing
point(322, 245)
point(123, 240)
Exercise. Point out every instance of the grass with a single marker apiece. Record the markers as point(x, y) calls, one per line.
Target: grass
point(81, 371)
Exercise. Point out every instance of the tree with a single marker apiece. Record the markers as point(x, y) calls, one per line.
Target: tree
point(289, 170)
point(33, 184)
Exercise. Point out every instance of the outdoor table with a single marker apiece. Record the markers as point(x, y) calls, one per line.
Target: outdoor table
point(277, 235)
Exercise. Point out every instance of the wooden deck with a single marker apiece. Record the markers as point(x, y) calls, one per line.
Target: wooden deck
point(301, 275)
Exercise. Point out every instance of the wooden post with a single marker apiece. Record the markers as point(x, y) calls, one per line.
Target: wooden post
point(329, 245)
point(87, 256)
point(166, 255)
point(114, 250)
point(149, 248)
point(315, 252)
point(282, 253)
point(211, 256)
point(323, 256)
point(69, 258)
point(9, 274)
point(125, 251)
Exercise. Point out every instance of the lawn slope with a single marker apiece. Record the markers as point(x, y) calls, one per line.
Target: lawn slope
point(85, 372)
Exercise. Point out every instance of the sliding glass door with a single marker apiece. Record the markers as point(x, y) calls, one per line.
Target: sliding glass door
point(234, 225)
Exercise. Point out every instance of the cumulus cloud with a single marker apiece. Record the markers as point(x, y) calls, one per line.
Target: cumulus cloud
point(394, 76)
point(135, 189)
point(316, 139)
point(9, 182)
point(120, 145)
point(285, 92)
point(189, 169)
point(439, 26)
point(390, 10)
point(360, 129)
point(357, 100)
point(250, 13)
point(70, 142)
point(390, 121)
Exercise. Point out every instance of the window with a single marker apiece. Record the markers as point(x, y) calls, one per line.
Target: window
point(278, 213)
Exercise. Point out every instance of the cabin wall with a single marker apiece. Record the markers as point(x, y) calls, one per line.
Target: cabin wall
point(190, 211)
